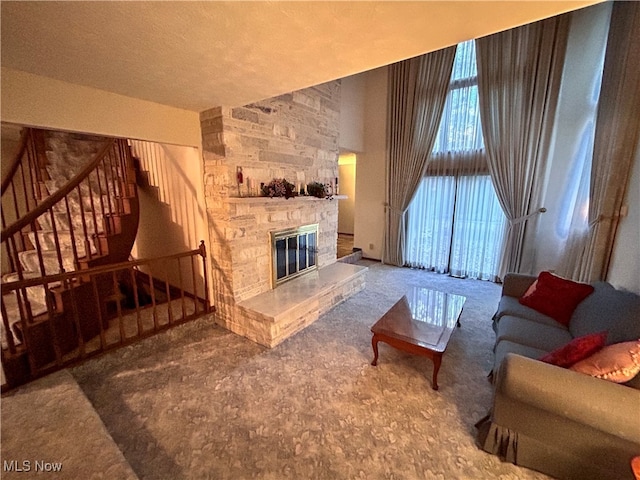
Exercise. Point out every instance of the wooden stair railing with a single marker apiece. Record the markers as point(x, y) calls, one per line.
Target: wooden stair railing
point(78, 330)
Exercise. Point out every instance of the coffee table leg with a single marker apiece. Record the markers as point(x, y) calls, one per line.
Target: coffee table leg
point(374, 344)
point(437, 360)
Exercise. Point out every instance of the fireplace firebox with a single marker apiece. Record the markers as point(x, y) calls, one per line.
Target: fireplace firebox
point(295, 253)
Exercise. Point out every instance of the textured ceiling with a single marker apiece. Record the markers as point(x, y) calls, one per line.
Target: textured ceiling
point(198, 55)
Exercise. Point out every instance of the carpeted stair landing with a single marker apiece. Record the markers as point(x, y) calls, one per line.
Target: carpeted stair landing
point(50, 429)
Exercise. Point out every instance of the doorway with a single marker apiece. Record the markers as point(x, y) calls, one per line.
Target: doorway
point(346, 206)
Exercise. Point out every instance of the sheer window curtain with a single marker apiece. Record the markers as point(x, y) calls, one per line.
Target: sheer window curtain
point(519, 73)
point(456, 226)
point(617, 134)
point(416, 97)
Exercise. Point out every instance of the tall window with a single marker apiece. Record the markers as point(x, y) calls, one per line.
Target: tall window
point(460, 128)
point(574, 209)
point(455, 223)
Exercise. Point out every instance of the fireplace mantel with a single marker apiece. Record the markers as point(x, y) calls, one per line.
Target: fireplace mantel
point(293, 200)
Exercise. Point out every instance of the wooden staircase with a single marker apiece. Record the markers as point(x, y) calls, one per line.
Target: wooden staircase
point(69, 203)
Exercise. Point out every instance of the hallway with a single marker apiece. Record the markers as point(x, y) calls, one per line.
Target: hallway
point(345, 244)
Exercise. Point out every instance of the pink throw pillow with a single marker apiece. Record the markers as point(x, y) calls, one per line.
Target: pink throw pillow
point(555, 296)
point(617, 363)
point(577, 349)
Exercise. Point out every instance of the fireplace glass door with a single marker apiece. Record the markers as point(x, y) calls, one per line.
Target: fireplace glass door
point(294, 252)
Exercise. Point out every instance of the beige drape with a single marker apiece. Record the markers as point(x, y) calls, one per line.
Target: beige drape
point(519, 73)
point(616, 140)
point(416, 96)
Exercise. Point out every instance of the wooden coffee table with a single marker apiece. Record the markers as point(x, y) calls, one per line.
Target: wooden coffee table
point(420, 323)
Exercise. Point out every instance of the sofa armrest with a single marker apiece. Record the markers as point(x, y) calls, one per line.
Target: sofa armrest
point(600, 404)
point(515, 284)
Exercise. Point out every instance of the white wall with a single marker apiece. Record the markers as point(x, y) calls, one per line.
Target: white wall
point(352, 99)
point(37, 101)
point(624, 271)
point(370, 178)
point(172, 213)
point(352, 122)
point(173, 220)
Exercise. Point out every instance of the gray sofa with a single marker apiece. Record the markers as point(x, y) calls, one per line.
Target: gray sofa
point(551, 419)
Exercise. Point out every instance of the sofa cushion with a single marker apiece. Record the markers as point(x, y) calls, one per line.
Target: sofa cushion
point(555, 296)
point(505, 346)
point(615, 311)
point(617, 363)
point(577, 349)
point(512, 307)
point(533, 334)
point(634, 382)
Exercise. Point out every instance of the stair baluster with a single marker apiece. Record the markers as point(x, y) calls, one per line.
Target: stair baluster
point(56, 239)
point(94, 217)
point(11, 341)
point(74, 248)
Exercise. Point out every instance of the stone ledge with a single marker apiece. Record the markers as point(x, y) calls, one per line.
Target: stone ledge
point(273, 316)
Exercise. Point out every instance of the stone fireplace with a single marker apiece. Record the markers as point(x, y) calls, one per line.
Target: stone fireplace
point(293, 136)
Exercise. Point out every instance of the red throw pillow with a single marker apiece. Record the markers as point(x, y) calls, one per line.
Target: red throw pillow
point(577, 349)
point(556, 297)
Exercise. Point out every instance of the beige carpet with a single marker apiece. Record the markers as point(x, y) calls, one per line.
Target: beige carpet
point(199, 402)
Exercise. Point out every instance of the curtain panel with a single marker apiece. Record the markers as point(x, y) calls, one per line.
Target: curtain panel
point(416, 96)
point(616, 141)
point(519, 74)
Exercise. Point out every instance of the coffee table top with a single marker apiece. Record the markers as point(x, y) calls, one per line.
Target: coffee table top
point(422, 317)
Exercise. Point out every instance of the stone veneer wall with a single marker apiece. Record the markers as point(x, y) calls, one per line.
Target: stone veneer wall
point(294, 136)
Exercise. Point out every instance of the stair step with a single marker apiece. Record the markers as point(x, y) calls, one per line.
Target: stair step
point(95, 183)
point(62, 222)
point(30, 261)
point(36, 297)
point(47, 240)
point(89, 196)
